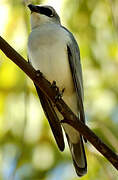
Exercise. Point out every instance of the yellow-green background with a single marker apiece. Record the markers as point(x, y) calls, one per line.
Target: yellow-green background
point(27, 148)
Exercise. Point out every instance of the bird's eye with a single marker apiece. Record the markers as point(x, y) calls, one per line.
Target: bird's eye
point(46, 11)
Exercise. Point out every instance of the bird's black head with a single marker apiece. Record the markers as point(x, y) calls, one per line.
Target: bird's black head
point(45, 10)
point(42, 14)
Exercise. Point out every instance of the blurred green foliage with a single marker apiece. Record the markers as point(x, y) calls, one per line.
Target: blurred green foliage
point(27, 147)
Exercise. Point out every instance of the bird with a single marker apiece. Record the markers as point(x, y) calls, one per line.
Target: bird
point(53, 50)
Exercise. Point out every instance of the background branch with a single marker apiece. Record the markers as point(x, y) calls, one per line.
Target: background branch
point(51, 93)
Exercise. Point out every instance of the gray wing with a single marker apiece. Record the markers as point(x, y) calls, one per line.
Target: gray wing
point(77, 150)
point(52, 118)
point(75, 65)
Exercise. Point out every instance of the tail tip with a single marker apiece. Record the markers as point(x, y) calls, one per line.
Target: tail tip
point(81, 171)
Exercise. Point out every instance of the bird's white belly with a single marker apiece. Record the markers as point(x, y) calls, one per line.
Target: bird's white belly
point(52, 61)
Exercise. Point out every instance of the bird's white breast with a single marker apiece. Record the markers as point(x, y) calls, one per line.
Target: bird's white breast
point(47, 50)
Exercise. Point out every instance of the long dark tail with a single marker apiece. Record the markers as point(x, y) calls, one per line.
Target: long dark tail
point(78, 156)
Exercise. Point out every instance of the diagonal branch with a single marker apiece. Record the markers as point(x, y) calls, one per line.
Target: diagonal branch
point(69, 116)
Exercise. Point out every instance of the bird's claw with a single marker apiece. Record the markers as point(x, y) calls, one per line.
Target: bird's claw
point(53, 85)
point(59, 93)
point(39, 73)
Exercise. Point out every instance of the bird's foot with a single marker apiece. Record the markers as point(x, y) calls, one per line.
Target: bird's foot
point(39, 73)
point(54, 86)
point(58, 92)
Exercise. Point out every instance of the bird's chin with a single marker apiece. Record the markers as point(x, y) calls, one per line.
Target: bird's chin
point(35, 17)
point(34, 13)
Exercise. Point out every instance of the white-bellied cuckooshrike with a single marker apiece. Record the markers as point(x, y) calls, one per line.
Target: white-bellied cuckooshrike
point(53, 50)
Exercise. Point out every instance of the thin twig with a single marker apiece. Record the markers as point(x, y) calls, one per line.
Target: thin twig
point(51, 93)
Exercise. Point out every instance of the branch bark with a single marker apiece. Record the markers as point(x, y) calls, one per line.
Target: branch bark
point(69, 116)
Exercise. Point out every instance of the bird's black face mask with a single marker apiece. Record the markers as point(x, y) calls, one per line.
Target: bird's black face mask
point(41, 10)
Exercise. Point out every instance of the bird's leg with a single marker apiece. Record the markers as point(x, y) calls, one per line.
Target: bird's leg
point(54, 86)
point(59, 93)
point(39, 73)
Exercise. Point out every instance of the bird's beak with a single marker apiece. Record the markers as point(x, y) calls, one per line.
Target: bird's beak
point(33, 8)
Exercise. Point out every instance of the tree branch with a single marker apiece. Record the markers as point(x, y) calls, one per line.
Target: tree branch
point(69, 116)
